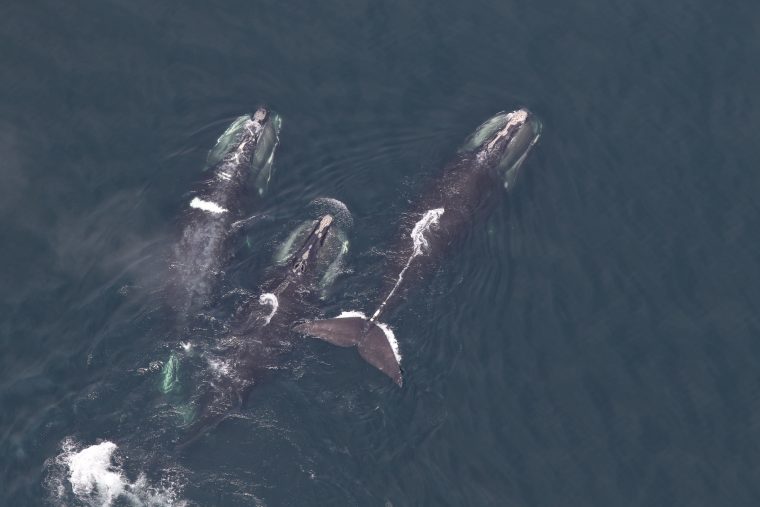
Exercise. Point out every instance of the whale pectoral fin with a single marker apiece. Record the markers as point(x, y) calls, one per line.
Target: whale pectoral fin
point(198, 430)
point(248, 223)
point(243, 234)
point(343, 332)
point(376, 349)
point(373, 342)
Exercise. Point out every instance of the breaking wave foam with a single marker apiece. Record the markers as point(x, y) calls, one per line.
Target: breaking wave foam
point(93, 476)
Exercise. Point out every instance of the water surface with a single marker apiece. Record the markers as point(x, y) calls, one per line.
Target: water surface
point(594, 342)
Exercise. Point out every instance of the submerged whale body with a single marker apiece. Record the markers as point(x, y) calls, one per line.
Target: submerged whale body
point(468, 187)
point(243, 154)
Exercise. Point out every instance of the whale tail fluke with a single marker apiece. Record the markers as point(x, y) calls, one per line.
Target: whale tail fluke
point(375, 341)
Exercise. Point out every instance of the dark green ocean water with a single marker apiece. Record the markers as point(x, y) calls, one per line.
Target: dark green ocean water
point(594, 342)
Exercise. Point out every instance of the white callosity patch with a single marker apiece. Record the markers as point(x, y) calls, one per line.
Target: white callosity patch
point(324, 223)
point(271, 300)
point(208, 206)
point(514, 119)
point(419, 244)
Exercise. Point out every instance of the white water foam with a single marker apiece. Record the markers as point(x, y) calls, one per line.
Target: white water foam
point(269, 299)
point(92, 476)
point(389, 335)
point(429, 219)
point(208, 206)
point(95, 480)
point(345, 315)
point(419, 244)
point(391, 340)
point(219, 367)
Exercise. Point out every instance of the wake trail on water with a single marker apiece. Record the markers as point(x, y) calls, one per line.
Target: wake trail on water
point(419, 244)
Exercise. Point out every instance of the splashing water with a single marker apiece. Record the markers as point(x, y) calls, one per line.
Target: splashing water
point(95, 480)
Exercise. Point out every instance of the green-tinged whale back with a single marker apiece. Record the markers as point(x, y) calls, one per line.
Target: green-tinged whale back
point(330, 264)
point(510, 156)
point(227, 141)
point(263, 156)
point(262, 163)
point(484, 132)
point(170, 375)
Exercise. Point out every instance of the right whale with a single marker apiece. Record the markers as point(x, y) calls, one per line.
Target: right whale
point(468, 188)
point(243, 156)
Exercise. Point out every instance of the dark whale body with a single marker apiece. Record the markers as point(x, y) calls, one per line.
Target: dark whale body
point(468, 187)
point(261, 332)
point(243, 153)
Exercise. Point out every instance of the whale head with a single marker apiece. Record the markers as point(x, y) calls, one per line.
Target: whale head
point(262, 165)
point(503, 141)
point(260, 130)
point(307, 255)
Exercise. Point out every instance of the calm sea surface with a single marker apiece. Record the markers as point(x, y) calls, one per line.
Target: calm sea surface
point(594, 342)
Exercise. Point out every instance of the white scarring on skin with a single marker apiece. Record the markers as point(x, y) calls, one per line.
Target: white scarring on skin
point(269, 299)
point(386, 330)
point(429, 219)
point(208, 206)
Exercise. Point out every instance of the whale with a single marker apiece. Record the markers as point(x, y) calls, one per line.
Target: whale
point(242, 157)
point(260, 333)
point(485, 167)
